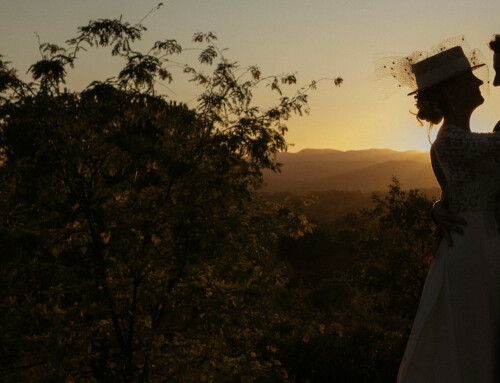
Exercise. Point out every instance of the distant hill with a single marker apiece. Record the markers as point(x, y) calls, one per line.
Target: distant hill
point(319, 170)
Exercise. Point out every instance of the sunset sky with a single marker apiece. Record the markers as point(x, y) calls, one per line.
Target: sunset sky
point(312, 38)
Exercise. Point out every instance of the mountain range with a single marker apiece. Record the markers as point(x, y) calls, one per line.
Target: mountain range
point(318, 170)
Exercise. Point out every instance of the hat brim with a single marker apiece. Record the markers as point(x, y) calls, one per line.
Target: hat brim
point(419, 90)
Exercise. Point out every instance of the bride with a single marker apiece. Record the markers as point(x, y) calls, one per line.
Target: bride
point(455, 335)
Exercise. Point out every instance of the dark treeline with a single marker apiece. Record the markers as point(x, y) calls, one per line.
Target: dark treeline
point(135, 247)
point(362, 272)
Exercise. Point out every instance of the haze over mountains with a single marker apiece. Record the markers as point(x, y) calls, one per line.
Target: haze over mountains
point(318, 170)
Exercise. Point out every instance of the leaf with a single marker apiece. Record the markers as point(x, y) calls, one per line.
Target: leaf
point(255, 72)
point(165, 75)
point(274, 86)
point(198, 37)
point(290, 79)
point(105, 237)
point(208, 55)
point(48, 70)
point(167, 46)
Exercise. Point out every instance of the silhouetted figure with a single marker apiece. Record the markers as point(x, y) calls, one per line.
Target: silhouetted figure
point(447, 221)
point(455, 335)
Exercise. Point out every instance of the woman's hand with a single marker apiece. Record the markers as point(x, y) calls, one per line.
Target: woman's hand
point(446, 223)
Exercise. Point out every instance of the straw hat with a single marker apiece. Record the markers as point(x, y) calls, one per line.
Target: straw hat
point(441, 67)
point(423, 69)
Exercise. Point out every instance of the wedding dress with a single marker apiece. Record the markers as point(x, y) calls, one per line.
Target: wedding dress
point(455, 335)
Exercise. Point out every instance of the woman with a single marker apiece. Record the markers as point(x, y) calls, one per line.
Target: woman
point(446, 221)
point(455, 336)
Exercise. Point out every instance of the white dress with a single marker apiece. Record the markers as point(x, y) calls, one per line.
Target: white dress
point(455, 335)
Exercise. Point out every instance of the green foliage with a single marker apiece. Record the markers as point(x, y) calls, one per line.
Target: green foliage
point(134, 247)
point(399, 234)
point(390, 278)
point(104, 32)
point(362, 274)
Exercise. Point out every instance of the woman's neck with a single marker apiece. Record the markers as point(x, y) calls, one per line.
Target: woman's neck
point(461, 120)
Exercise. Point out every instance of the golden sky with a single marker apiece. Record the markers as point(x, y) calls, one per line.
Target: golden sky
point(312, 38)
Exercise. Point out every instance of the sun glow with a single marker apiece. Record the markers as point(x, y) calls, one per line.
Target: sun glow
point(328, 39)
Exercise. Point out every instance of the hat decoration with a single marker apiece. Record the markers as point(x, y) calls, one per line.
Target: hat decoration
point(423, 69)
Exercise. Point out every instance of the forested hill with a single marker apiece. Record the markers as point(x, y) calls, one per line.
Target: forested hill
point(317, 170)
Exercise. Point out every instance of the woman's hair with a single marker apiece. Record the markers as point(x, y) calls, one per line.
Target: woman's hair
point(495, 43)
point(432, 104)
point(429, 107)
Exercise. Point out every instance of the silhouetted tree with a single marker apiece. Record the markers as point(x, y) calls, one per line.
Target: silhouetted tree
point(366, 311)
point(133, 247)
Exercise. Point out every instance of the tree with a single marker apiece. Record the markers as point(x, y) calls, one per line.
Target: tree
point(364, 312)
point(389, 279)
point(135, 248)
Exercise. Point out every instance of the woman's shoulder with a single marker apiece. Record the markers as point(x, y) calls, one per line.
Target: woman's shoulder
point(453, 141)
point(449, 132)
point(452, 129)
point(462, 144)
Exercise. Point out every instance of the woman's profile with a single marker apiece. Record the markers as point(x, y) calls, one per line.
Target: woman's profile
point(455, 335)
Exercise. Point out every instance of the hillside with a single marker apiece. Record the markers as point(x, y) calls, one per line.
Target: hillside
point(318, 170)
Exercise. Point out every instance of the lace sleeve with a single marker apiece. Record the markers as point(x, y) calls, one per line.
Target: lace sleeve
point(465, 147)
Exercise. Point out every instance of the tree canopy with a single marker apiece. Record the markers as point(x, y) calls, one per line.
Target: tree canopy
point(134, 247)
